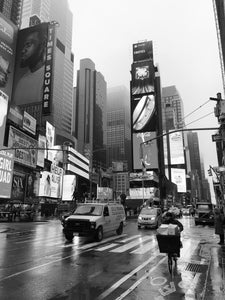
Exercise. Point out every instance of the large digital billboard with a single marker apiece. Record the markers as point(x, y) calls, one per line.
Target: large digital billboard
point(8, 35)
point(143, 111)
point(149, 151)
point(143, 51)
point(34, 66)
point(143, 75)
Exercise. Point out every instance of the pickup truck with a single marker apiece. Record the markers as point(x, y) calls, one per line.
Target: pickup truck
point(204, 213)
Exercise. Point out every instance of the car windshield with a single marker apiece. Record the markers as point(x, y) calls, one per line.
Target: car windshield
point(149, 211)
point(88, 210)
point(204, 207)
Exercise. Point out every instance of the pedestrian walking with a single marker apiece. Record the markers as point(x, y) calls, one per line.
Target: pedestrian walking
point(218, 223)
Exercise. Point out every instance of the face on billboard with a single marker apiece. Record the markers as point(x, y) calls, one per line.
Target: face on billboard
point(30, 65)
point(142, 78)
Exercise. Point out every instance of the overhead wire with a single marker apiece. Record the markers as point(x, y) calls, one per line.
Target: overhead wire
point(199, 118)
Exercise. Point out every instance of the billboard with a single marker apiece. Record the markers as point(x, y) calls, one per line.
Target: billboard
point(69, 184)
point(143, 76)
point(18, 186)
point(15, 115)
point(34, 66)
point(143, 111)
point(51, 183)
point(25, 147)
point(6, 172)
point(176, 148)
point(149, 153)
point(29, 123)
point(8, 34)
point(41, 151)
point(178, 177)
point(142, 51)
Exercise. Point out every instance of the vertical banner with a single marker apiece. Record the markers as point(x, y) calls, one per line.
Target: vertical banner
point(18, 186)
point(41, 151)
point(69, 185)
point(8, 32)
point(176, 148)
point(178, 177)
point(50, 140)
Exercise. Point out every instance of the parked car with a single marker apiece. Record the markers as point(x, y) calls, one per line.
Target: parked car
point(150, 217)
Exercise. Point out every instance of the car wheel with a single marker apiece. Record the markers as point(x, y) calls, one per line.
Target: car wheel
point(69, 236)
point(119, 230)
point(99, 234)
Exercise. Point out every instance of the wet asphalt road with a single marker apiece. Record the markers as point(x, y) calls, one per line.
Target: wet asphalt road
point(36, 262)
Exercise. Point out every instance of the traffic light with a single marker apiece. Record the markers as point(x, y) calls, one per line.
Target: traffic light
point(210, 172)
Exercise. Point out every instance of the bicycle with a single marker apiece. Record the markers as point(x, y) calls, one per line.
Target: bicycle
point(171, 245)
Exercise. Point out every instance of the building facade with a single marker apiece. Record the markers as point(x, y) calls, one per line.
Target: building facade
point(11, 9)
point(57, 12)
point(118, 127)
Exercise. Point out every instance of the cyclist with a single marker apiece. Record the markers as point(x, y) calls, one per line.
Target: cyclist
point(169, 218)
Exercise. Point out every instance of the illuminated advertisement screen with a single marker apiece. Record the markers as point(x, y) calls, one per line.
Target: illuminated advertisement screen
point(34, 66)
point(176, 148)
point(6, 172)
point(149, 151)
point(178, 177)
point(143, 75)
point(26, 147)
point(51, 184)
point(8, 34)
point(143, 51)
point(143, 111)
point(69, 185)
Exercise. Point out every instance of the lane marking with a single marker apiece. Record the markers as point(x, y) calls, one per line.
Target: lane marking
point(106, 247)
point(126, 277)
point(131, 244)
point(127, 292)
point(130, 238)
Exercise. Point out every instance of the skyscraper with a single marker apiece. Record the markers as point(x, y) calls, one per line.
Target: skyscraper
point(11, 9)
point(56, 11)
point(90, 119)
point(118, 127)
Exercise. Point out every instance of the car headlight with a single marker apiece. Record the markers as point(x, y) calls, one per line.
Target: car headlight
point(93, 225)
point(152, 218)
point(139, 218)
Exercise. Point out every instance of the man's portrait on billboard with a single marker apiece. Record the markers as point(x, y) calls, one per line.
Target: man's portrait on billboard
point(30, 67)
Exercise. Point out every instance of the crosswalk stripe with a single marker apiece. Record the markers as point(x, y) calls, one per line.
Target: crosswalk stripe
point(131, 244)
point(106, 247)
point(145, 248)
point(130, 238)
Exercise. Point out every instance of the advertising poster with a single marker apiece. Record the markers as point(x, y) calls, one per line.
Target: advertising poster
point(149, 151)
point(143, 51)
point(26, 147)
point(15, 115)
point(57, 155)
point(34, 67)
point(69, 185)
point(50, 140)
point(143, 76)
point(4, 99)
point(176, 148)
point(51, 183)
point(6, 172)
point(29, 123)
point(178, 177)
point(143, 113)
point(18, 186)
point(41, 151)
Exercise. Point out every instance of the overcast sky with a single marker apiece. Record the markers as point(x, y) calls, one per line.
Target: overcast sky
point(185, 48)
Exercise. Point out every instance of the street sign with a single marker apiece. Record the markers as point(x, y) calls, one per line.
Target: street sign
point(216, 137)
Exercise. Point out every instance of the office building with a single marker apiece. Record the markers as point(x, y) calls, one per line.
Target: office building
point(118, 127)
point(90, 118)
point(11, 9)
point(57, 12)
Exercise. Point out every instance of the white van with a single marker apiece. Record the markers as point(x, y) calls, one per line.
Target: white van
point(95, 219)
